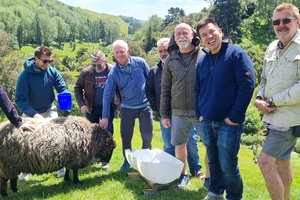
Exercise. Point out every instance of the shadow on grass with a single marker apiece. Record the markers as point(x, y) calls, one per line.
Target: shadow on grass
point(92, 176)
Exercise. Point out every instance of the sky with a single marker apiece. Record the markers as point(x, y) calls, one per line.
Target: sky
point(139, 9)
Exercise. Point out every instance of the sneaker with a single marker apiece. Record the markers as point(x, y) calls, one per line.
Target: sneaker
point(211, 197)
point(105, 166)
point(125, 166)
point(24, 177)
point(206, 183)
point(183, 181)
point(61, 172)
point(200, 175)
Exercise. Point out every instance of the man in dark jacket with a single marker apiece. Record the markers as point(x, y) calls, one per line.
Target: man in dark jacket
point(177, 101)
point(89, 90)
point(153, 91)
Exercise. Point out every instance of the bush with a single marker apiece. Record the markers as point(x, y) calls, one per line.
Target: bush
point(253, 123)
point(252, 139)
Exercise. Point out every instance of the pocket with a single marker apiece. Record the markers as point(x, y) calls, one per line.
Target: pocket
point(296, 131)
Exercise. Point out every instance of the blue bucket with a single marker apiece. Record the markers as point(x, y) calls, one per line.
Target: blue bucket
point(64, 101)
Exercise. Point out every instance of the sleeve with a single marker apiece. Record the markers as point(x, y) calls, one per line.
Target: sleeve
point(78, 90)
point(22, 95)
point(245, 77)
point(109, 92)
point(197, 91)
point(165, 98)
point(150, 90)
point(8, 108)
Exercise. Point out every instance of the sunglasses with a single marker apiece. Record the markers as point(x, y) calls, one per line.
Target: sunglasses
point(45, 61)
point(284, 21)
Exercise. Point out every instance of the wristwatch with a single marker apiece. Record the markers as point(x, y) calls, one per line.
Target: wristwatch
point(271, 102)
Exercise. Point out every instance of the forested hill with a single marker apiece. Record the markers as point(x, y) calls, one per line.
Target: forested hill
point(46, 21)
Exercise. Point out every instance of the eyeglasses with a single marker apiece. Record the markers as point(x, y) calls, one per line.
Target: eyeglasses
point(284, 21)
point(45, 61)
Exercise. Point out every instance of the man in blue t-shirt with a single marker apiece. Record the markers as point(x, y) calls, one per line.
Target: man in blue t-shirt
point(89, 90)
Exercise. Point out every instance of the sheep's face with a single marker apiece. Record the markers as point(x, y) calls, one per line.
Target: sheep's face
point(104, 142)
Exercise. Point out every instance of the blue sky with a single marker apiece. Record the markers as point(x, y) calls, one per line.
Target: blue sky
point(140, 9)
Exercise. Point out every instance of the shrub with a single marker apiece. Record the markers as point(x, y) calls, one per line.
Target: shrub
point(253, 123)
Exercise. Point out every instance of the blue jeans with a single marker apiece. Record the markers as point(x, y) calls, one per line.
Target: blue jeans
point(223, 144)
point(192, 147)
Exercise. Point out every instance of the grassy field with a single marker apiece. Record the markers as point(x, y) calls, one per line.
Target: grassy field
point(98, 184)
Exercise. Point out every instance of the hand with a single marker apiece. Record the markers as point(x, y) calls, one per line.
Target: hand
point(26, 127)
point(166, 123)
point(228, 121)
point(38, 116)
point(84, 109)
point(200, 118)
point(104, 123)
point(264, 106)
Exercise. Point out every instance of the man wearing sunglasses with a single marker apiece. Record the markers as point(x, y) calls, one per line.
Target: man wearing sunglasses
point(89, 90)
point(279, 99)
point(35, 88)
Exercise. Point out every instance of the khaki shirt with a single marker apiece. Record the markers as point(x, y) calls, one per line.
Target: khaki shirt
point(280, 80)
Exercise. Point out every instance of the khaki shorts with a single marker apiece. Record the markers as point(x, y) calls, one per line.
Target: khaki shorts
point(280, 144)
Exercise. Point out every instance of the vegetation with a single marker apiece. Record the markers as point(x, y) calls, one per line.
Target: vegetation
point(99, 184)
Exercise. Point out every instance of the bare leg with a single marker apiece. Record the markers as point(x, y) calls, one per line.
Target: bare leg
point(180, 152)
point(267, 165)
point(285, 173)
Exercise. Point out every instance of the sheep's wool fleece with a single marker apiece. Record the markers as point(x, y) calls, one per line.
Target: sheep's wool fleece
point(69, 142)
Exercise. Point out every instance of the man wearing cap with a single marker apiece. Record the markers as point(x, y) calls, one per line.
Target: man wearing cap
point(89, 90)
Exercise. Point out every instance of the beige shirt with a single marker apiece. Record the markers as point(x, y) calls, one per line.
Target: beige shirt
point(280, 80)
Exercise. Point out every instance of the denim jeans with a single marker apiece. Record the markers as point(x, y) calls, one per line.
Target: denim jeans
point(95, 116)
point(192, 147)
point(223, 144)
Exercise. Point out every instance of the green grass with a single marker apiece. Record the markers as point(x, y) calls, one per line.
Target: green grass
point(98, 184)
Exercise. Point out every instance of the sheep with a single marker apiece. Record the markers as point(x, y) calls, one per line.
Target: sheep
point(70, 142)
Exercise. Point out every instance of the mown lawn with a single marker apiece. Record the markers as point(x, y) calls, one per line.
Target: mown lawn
point(98, 184)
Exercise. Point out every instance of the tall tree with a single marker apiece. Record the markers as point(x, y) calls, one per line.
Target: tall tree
point(20, 35)
point(38, 35)
point(228, 15)
point(174, 14)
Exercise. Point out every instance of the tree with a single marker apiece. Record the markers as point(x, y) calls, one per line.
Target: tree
point(38, 35)
point(20, 35)
point(174, 14)
point(6, 43)
point(228, 15)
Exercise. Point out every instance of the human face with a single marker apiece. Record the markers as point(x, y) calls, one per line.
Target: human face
point(163, 51)
point(121, 53)
point(99, 63)
point(285, 32)
point(211, 37)
point(183, 37)
point(43, 61)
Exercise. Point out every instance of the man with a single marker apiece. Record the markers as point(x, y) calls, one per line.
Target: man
point(89, 90)
point(34, 92)
point(129, 75)
point(177, 93)
point(153, 91)
point(224, 86)
point(279, 99)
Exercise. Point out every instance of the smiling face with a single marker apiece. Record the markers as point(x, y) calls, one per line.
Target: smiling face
point(183, 37)
point(285, 32)
point(121, 52)
point(211, 37)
